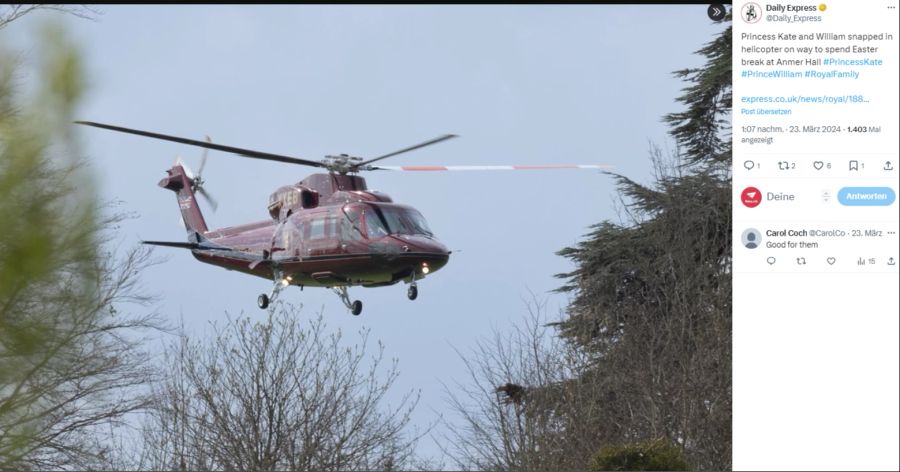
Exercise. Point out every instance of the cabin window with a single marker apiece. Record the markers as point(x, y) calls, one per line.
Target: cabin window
point(350, 224)
point(317, 227)
point(301, 229)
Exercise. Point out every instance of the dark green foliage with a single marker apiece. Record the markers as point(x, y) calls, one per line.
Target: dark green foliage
point(648, 455)
point(644, 351)
point(700, 128)
point(682, 234)
point(652, 292)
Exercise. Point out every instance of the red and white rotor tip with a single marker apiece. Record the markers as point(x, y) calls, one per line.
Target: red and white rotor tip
point(524, 167)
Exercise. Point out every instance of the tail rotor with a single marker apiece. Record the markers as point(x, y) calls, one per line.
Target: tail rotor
point(197, 181)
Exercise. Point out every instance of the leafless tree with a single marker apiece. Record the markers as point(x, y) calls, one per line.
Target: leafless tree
point(83, 372)
point(14, 11)
point(279, 394)
point(523, 406)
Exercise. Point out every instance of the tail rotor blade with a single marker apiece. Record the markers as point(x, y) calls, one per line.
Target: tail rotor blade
point(203, 157)
point(198, 181)
point(209, 199)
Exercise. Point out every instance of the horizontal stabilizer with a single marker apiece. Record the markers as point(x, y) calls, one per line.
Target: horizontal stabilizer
point(204, 247)
point(173, 244)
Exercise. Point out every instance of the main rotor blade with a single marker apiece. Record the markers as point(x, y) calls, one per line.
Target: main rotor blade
point(528, 167)
point(401, 151)
point(242, 152)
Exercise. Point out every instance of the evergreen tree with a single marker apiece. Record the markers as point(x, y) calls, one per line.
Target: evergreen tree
point(638, 374)
point(652, 293)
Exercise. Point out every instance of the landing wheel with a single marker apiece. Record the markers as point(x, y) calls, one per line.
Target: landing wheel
point(356, 308)
point(262, 301)
point(412, 292)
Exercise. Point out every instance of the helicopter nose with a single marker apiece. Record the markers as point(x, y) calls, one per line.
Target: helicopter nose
point(420, 244)
point(434, 256)
point(433, 246)
point(428, 254)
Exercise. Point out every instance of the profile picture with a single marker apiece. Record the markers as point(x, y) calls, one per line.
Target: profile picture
point(751, 238)
point(751, 12)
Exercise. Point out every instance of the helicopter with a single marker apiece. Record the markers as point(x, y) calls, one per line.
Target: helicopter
point(328, 230)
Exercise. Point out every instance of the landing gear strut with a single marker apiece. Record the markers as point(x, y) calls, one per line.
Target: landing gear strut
point(354, 307)
point(281, 282)
point(413, 291)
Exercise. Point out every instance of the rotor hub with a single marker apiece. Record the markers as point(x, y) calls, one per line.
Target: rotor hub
point(342, 163)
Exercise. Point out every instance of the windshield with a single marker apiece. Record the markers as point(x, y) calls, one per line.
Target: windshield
point(404, 221)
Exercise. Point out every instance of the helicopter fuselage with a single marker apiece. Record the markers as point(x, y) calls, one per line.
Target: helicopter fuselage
point(328, 230)
point(340, 245)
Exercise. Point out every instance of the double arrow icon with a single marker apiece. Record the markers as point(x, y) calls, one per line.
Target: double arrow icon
point(716, 12)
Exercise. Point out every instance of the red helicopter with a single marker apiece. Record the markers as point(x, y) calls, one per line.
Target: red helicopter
point(328, 230)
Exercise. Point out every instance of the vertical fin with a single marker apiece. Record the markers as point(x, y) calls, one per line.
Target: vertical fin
point(178, 182)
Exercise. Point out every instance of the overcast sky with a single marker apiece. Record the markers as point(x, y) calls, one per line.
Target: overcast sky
point(519, 84)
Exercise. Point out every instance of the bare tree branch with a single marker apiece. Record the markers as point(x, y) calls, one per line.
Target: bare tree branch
point(12, 12)
point(277, 395)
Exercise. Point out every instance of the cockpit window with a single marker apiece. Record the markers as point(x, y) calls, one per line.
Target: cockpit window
point(374, 225)
point(404, 221)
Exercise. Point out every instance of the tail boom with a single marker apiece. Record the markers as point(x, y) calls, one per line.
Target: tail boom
point(178, 182)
